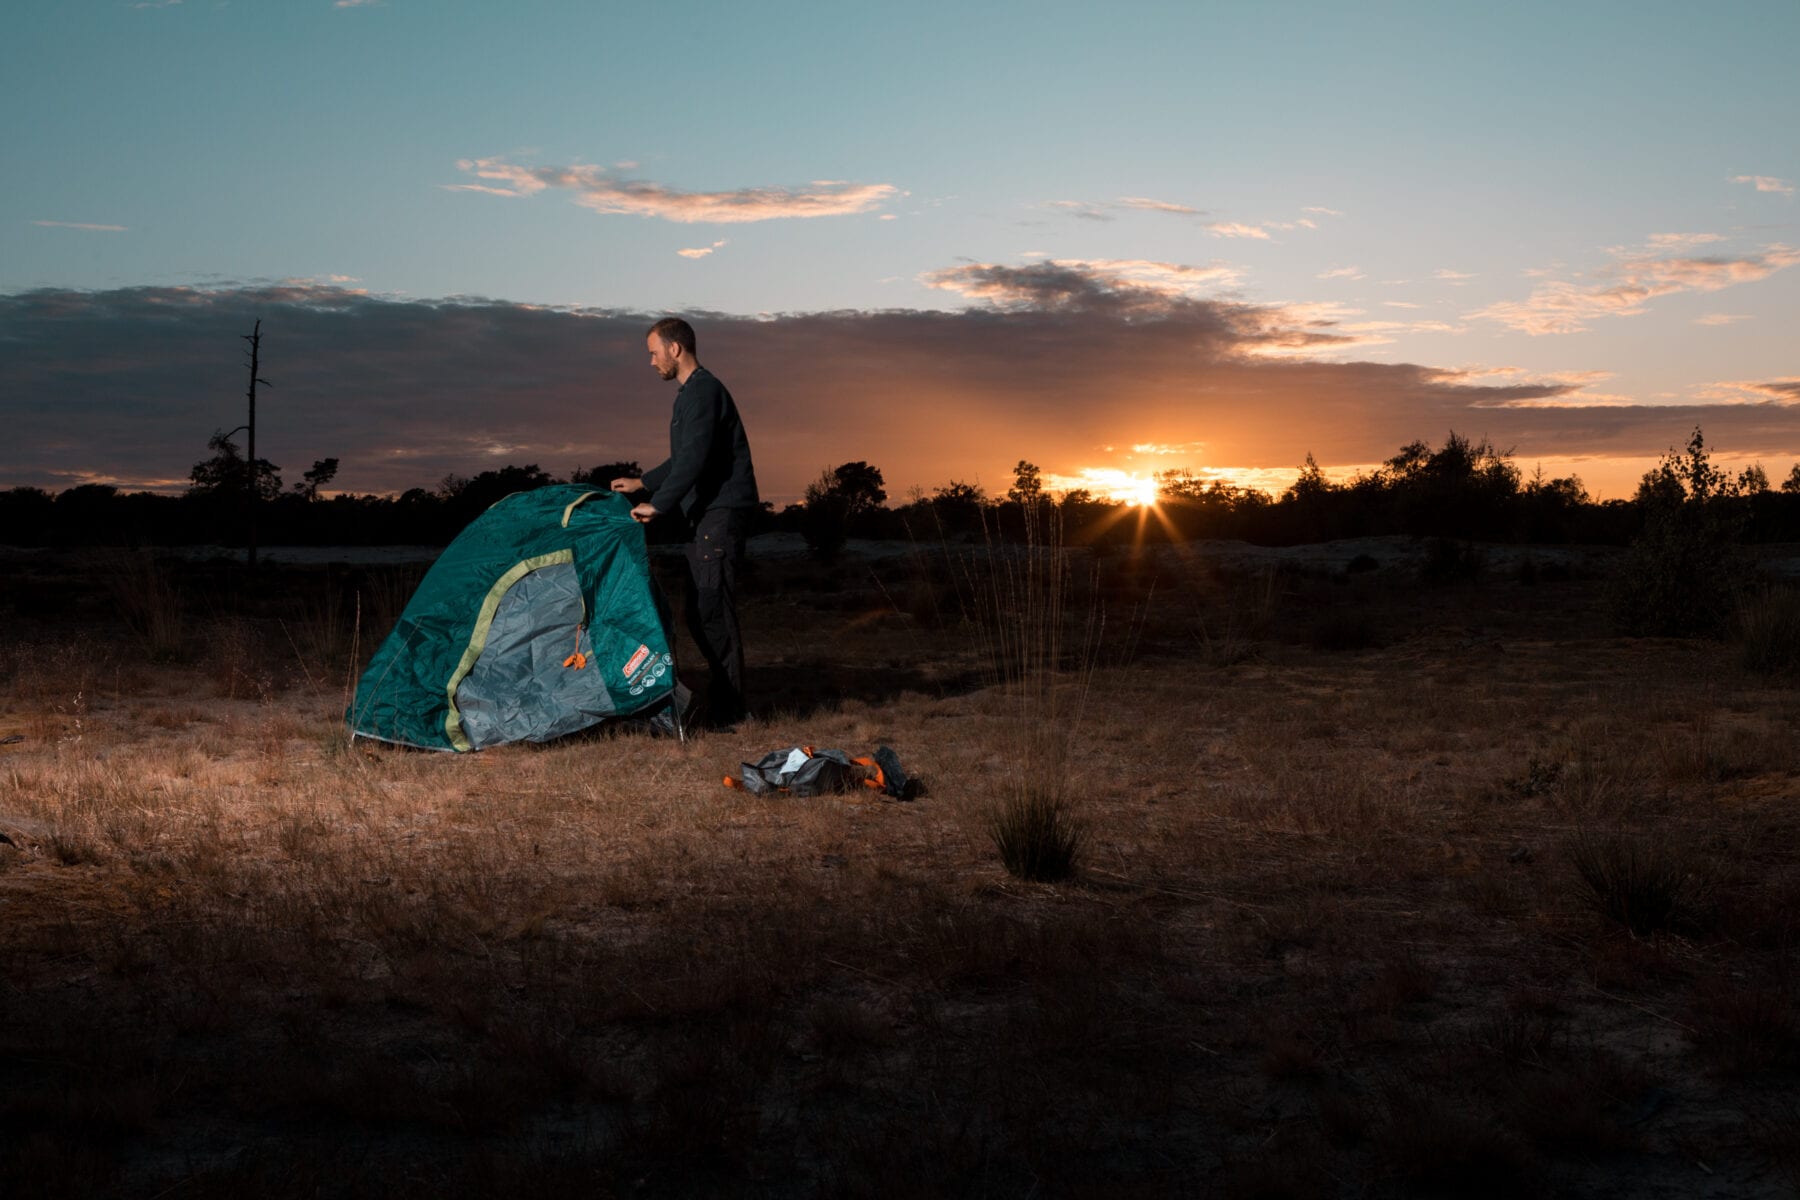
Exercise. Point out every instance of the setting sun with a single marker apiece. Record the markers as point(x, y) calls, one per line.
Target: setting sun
point(1141, 492)
point(1112, 484)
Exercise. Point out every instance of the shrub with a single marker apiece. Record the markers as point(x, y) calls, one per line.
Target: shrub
point(1679, 576)
point(1448, 561)
point(825, 521)
point(1768, 632)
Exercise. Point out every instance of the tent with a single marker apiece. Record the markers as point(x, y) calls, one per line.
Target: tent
point(538, 620)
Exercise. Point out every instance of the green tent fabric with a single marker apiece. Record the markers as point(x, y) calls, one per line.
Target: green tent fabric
point(537, 621)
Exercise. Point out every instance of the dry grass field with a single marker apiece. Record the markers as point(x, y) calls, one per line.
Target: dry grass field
point(1384, 890)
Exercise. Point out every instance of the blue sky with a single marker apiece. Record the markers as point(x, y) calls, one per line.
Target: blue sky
point(1600, 201)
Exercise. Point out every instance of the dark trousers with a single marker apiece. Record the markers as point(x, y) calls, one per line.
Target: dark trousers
point(710, 599)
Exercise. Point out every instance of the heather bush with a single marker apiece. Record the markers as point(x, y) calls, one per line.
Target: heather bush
point(1767, 629)
point(1683, 570)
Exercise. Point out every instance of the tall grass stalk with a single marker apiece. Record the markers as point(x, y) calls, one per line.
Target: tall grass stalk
point(352, 663)
point(1043, 667)
point(1248, 611)
point(387, 592)
point(147, 599)
point(321, 635)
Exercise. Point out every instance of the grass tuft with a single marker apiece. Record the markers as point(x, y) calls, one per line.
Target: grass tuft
point(1040, 657)
point(1538, 779)
point(1644, 885)
point(1037, 836)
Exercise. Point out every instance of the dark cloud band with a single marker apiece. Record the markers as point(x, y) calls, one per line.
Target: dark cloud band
point(126, 385)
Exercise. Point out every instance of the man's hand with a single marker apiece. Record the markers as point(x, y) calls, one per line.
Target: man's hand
point(626, 485)
point(643, 514)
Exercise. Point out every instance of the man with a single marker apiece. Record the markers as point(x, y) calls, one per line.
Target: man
point(709, 481)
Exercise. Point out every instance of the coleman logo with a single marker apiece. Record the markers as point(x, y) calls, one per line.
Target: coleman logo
point(637, 660)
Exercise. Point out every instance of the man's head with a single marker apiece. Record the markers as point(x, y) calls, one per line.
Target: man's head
point(670, 341)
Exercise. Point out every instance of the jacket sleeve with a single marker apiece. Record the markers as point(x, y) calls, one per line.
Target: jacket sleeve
point(690, 444)
point(654, 476)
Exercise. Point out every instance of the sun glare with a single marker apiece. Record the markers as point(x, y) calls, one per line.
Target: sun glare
point(1119, 487)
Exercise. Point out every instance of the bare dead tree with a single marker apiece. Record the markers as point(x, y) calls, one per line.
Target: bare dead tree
point(254, 337)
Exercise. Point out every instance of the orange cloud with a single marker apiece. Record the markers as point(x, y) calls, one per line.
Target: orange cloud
point(1089, 210)
point(1781, 391)
point(1766, 183)
point(1577, 400)
point(1237, 229)
point(1671, 241)
point(1565, 307)
point(598, 189)
point(1163, 206)
point(1383, 327)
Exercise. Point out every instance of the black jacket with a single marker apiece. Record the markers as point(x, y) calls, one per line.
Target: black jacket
point(709, 455)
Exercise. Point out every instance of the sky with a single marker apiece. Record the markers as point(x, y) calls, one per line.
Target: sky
point(940, 238)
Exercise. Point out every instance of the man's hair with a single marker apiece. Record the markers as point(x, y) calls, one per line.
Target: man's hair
point(674, 329)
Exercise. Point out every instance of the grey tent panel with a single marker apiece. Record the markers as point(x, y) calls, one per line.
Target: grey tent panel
point(519, 688)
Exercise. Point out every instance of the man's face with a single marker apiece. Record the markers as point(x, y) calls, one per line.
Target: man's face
point(664, 356)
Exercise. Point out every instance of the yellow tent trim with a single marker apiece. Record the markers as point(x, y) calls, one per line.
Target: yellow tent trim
point(483, 622)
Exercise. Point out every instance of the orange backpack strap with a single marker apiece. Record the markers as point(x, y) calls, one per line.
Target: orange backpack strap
point(876, 779)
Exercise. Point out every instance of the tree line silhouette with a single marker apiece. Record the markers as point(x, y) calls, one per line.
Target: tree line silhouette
point(1464, 489)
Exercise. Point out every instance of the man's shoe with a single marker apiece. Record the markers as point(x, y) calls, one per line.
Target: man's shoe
point(722, 717)
point(675, 718)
